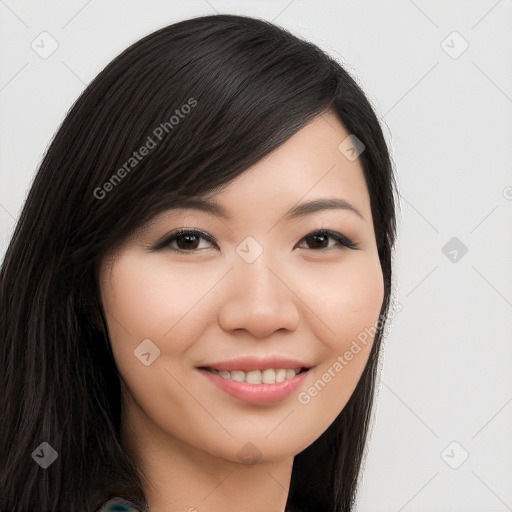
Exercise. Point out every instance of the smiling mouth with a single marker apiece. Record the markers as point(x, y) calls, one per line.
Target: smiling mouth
point(266, 376)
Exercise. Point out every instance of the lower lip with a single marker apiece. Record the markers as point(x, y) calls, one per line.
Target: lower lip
point(257, 393)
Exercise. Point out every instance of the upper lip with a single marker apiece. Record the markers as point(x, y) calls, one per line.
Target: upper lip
point(249, 363)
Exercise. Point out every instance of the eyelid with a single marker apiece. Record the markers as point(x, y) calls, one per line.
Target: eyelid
point(168, 238)
point(342, 239)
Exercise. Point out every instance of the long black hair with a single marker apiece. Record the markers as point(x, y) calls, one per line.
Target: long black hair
point(208, 98)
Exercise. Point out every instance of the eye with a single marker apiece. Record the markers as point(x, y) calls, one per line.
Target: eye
point(189, 241)
point(186, 241)
point(318, 238)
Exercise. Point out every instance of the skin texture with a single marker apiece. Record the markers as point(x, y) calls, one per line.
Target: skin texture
point(303, 298)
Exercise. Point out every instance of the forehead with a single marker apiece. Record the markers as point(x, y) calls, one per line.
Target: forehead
point(313, 163)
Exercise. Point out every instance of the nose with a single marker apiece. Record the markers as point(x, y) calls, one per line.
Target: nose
point(257, 299)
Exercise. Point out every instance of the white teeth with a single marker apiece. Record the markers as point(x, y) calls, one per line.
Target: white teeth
point(253, 377)
point(237, 375)
point(267, 376)
point(290, 374)
point(280, 375)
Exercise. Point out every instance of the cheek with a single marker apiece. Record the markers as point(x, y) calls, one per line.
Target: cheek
point(360, 301)
point(355, 317)
point(143, 300)
point(346, 299)
point(350, 307)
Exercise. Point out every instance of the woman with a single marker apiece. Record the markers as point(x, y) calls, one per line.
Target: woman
point(193, 300)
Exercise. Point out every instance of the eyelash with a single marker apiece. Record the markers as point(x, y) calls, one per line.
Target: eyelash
point(166, 242)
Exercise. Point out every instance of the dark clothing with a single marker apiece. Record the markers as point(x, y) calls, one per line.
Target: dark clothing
point(118, 504)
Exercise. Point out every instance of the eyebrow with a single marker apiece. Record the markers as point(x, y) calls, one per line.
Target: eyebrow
point(317, 205)
point(299, 211)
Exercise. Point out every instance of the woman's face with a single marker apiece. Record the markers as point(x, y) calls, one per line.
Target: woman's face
point(253, 291)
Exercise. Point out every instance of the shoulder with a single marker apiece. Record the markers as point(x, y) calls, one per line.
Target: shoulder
point(118, 504)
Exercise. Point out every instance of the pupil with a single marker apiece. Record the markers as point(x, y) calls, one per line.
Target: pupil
point(318, 237)
point(188, 240)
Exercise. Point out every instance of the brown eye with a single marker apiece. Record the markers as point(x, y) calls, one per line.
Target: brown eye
point(319, 240)
point(184, 241)
point(190, 240)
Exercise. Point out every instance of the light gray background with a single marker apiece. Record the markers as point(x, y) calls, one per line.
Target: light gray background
point(446, 385)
